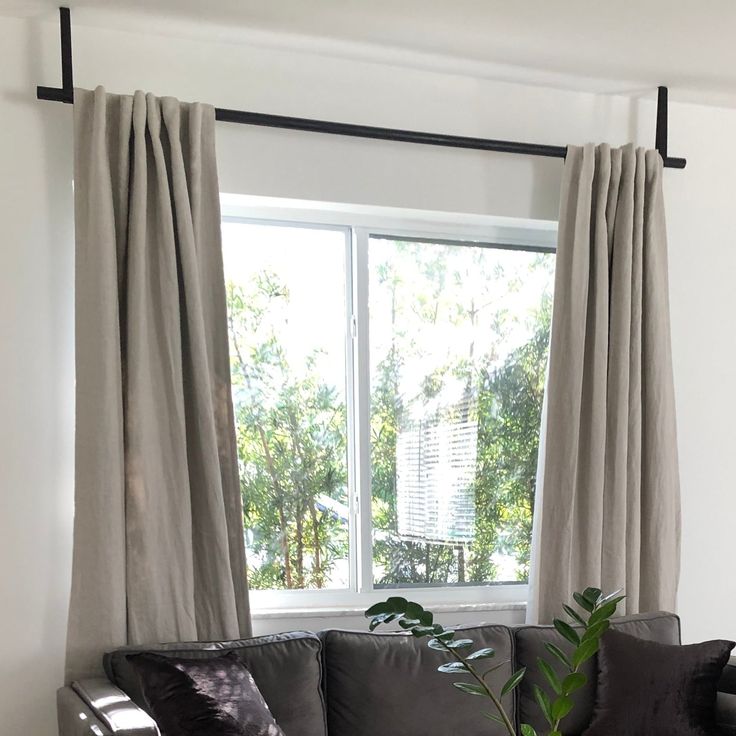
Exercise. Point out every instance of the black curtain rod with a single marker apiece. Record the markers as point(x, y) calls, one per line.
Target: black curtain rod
point(65, 93)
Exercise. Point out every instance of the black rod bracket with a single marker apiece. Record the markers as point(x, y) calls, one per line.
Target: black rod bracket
point(65, 93)
point(661, 134)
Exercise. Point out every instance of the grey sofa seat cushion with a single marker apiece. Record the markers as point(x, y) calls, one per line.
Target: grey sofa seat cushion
point(286, 667)
point(388, 684)
point(530, 640)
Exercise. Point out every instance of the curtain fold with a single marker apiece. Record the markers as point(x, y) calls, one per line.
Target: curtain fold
point(608, 505)
point(158, 537)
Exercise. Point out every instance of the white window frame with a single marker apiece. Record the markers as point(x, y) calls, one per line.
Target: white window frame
point(359, 223)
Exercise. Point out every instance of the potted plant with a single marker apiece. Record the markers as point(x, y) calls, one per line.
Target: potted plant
point(592, 618)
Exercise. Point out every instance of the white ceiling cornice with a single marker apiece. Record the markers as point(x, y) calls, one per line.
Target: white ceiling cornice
point(570, 44)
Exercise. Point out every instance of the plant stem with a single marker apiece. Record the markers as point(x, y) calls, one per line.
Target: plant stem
point(496, 702)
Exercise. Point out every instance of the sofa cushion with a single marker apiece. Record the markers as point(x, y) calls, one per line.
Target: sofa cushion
point(530, 640)
point(388, 684)
point(216, 696)
point(650, 689)
point(287, 669)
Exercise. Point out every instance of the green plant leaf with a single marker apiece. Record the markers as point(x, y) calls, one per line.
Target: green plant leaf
point(492, 717)
point(527, 730)
point(407, 623)
point(602, 613)
point(567, 631)
point(574, 681)
point(452, 668)
point(592, 595)
point(427, 618)
point(616, 599)
point(606, 610)
point(556, 652)
point(413, 610)
point(396, 604)
point(420, 631)
point(584, 652)
point(437, 644)
point(561, 707)
point(596, 630)
point(470, 688)
point(585, 605)
point(381, 618)
point(446, 634)
point(418, 613)
point(495, 667)
point(375, 609)
point(544, 703)
point(486, 653)
point(616, 594)
point(574, 615)
point(555, 733)
point(460, 643)
point(513, 681)
point(550, 674)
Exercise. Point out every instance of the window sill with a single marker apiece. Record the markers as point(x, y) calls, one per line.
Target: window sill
point(352, 611)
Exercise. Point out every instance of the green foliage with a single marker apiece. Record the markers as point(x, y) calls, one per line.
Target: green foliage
point(592, 623)
point(291, 446)
point(291, 424)
point(509, 413)
point(420, 623)
point(425, 285)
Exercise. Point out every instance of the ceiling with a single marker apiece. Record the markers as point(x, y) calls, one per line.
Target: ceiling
point(627, 46)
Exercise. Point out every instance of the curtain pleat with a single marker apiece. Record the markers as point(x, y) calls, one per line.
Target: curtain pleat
point(608, 506)
point(158, 537)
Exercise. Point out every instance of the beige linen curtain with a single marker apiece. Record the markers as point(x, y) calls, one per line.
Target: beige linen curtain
point(158, 536)
point(608, 506)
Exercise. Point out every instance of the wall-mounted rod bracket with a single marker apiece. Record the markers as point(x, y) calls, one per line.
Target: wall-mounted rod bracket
point(65, 93)
point(662, 115)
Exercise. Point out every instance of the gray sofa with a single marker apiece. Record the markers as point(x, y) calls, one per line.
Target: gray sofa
point(355, 683)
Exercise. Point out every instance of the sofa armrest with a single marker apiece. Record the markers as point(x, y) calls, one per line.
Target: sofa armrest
point(75, 716)
point(96, 707)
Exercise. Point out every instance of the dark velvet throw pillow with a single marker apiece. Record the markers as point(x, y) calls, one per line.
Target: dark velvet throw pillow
point(203, 697)
point(651, 689)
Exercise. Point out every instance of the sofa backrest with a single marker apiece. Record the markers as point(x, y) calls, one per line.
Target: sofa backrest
point(530, 644)
point(388, 684)
point(357, 683)
point(286, 667)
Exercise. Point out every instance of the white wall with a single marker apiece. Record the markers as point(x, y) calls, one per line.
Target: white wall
point(36, 276)
point(702, 238)
point(36, 390)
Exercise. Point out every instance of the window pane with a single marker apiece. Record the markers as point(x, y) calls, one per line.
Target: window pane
point(287, 321)
point(458, 338)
